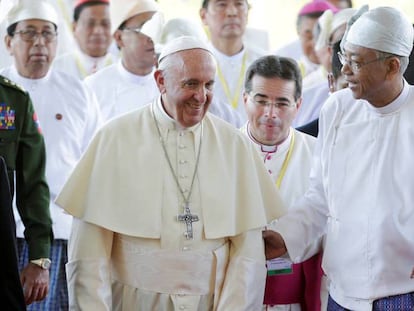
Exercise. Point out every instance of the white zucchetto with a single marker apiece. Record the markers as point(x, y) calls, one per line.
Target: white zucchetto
point(181, 44)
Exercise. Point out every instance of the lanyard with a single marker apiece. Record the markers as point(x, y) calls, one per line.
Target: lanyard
point(286, 161)
point(234, 100)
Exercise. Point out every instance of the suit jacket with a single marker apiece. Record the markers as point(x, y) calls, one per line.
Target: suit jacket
point(311, 128)
point(11, 290)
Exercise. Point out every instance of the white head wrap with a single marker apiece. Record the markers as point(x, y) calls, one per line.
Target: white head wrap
point(5, 7)
point(31, 9)
point(329, 23)
point(122, 10)
point(325, 24)
point(383, 29)
point(181, 44)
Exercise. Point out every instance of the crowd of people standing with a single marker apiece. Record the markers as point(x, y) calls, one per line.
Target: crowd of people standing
point(170, 165)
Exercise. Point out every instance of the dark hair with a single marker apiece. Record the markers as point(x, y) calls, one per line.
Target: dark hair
point(313, 15)
point(336, 64)
point(272, 66)
point(349, 3)
point(78, 10)
point(205, 3)
point(11, 29)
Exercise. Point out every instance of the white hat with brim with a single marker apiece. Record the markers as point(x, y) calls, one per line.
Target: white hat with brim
point(122, 10)
point(182, 43)
point(384, 29)
point(31, 9)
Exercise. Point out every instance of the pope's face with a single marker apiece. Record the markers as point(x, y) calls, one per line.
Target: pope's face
point(92, 31)
point(33, 56)
point(270, 125)
point(186, 85)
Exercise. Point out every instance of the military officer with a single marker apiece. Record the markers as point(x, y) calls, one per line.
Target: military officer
point(22, 147)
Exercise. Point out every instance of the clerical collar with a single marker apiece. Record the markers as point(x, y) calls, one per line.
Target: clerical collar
point(270, 148)
point(131, 77)
point(166, 121)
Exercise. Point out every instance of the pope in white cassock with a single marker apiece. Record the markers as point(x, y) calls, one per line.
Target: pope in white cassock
point(169, 203)
point(361, 188)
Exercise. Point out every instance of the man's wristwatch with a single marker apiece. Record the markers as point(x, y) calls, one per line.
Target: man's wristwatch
point(43, 263)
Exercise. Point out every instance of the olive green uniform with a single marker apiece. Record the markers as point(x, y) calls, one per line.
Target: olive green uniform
point(22, 146)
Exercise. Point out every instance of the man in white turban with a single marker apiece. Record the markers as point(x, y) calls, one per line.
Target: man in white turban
point(361, 188)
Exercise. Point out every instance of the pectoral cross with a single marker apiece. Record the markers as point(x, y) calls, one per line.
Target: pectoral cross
point(188, 218)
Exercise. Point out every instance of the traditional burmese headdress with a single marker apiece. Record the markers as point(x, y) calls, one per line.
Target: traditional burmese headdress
point(384, 29)
point(329, 23)
point(31, 9)
point(122, 10)
point(181, 44)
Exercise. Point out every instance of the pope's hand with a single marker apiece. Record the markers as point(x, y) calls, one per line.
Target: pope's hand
point(274, 244)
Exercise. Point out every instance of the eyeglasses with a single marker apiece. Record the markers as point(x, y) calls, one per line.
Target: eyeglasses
point(136, 29)
point(32, 35)
point(262, 103)
point(355, 66)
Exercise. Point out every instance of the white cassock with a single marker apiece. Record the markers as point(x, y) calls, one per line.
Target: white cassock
point(298, 164)
point(119, 91)
point(127, 249)
point(69, 117)
point(81, 65)
point(229, 80)
point(361, 187)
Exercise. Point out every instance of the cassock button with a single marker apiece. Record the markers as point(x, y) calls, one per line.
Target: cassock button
point(58, 116)
point(182, 307)
point(270, 172)
point(186, 248)
point(269, 157)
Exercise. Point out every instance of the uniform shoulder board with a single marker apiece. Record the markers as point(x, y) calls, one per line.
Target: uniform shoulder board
point(8, 83)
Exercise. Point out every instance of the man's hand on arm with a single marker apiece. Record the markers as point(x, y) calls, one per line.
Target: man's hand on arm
point(35, 283)
point(274, 244)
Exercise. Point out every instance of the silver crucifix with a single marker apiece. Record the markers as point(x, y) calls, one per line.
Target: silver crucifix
point(188, 218)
